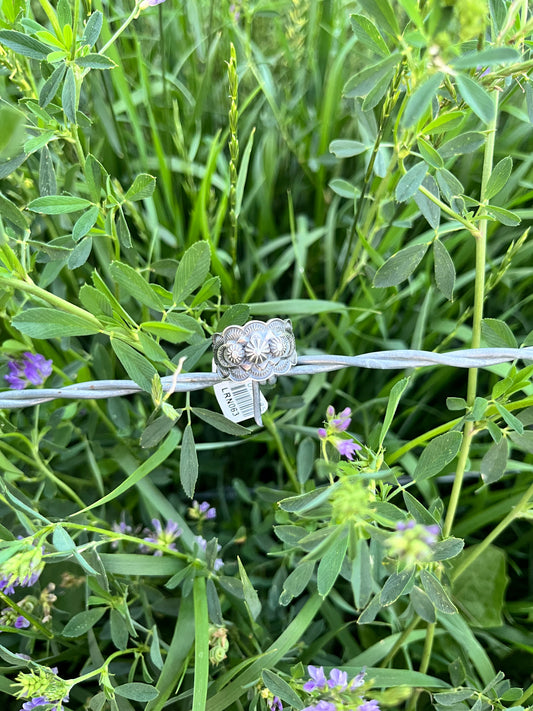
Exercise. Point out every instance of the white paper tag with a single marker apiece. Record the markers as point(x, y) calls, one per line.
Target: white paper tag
point(236, 400)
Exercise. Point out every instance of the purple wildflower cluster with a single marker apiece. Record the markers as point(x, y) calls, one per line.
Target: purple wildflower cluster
point(275, 704)
point(413, 542)
point(22, 569)
point(336, 692)
point(162, 536)
point(32, 368)
point(338, 423)
point(203, 511)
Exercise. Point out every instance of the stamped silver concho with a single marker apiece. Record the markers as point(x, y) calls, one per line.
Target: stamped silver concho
point(257, 350)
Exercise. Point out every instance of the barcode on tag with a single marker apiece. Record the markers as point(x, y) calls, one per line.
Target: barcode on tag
point(236, 400)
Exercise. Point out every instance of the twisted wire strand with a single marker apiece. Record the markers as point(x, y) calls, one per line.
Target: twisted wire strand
point(306, 365)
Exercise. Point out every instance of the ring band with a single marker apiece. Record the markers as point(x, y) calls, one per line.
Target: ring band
point(258, 350)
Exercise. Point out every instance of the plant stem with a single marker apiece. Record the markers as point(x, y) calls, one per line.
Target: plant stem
point(29, 287)
point(479, 294)
point(516, 512)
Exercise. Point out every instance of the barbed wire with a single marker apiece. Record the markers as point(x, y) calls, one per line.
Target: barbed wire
point(305, 365)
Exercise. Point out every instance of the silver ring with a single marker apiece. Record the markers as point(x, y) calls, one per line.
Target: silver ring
point(257, 350)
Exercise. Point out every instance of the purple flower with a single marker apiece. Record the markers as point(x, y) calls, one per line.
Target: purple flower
point(34, 703)
point(21, 622)
point(358, 680)
point(371, 705)
point(432, 533)
point(317, 678)
point(32, 368)
point(322, 433)
point(203, 510)
point(149, 3)
point(162, 536)
point(342, 421)
point(347, 448)
point(338, 679)
point(275, 704)
point(322, 705)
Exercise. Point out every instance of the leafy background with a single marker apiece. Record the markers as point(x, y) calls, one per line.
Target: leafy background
point(212, 163)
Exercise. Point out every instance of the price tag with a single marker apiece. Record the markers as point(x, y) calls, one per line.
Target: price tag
point(236, 400)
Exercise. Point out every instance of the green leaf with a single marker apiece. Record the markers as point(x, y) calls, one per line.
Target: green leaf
point(444, 270)
point(119, 630)
point(68, 96)
point(361, 580)
point(155, 431)
point(486, 58)
point(439, 452)
point(9, 211)
point(419, 102)
point(400, 266)
point(281, 689)
point(464, 143)
point(422, 605)
point(394, 398)
point(297, 581)
point(135, 285)
point(251, 598)
point(85, 223)
point(224, 698)
point(94, 175)
point(122, 230)
point(451, 698)
point(295, 307)
point(342, 148)
point(449, 185)
point(364, 81)
point(192, 271)
point(479, 594)
point(494, 462)
point(448, 548)
point(62, 541)
point(157, 458)
point(506, 217)
point(215, 419)
point(476, 97)
point(384, 15)
point(331, 562)
point(92, 29)
point(52, 323)
point(58, 204)
point(368, 34)
point(395, 585)
point(429, 154)
point(497, 334)
point(136, 365)
point(22, 44)
point(177, 655)
point(201, 645)
point(379, 90)
point(136, 691)
point(51, 85)
point(80, 253)
point(463, 635)
point(427, 207)
point(305, 458)
point(95, 61)
point(188, 462)
point(436, 593)
point(143, 187)
point(498, 178)
point(82, 622)
point(94, 301)
point(235, 315)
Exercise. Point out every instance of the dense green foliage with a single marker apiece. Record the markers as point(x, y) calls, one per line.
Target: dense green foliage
point(362, 168)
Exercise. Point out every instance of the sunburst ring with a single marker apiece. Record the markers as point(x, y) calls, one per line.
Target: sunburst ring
point(258, 350)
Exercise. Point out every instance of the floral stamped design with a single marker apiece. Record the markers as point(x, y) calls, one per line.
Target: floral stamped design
point(257, 350)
